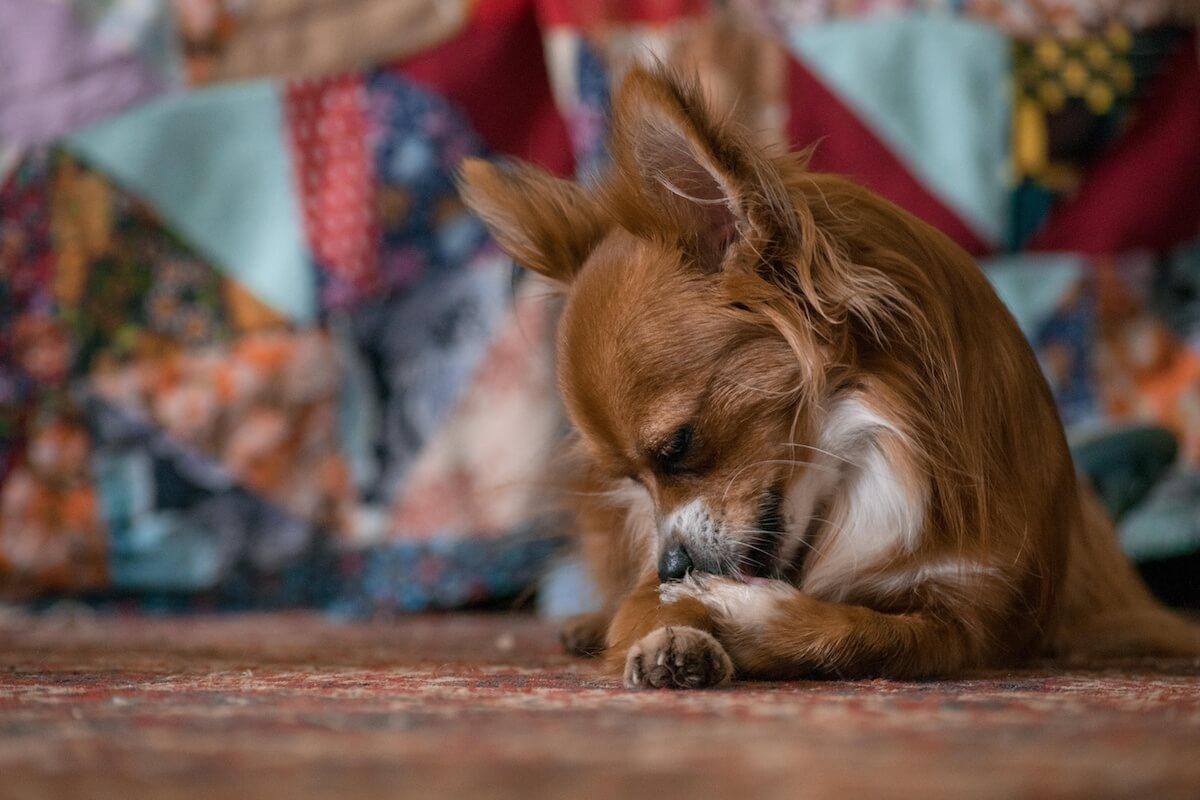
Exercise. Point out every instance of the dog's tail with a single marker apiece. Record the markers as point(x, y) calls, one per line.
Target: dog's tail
point(1106, 611)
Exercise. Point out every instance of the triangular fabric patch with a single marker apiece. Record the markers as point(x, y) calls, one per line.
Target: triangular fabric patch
point(214, 164)
point(846, 146)
point(928, 86)
point(1033, 286)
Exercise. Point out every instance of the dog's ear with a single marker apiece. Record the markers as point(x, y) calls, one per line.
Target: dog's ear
point(545, 223)
point(679, 163)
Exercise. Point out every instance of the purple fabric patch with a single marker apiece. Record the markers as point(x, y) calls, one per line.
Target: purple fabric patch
point(55, 77)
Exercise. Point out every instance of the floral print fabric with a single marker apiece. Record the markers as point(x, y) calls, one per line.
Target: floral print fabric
point(166, 433)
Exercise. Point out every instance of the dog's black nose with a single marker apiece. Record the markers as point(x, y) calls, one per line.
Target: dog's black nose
point(674, 563)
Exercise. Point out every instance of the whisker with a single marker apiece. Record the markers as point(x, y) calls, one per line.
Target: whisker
point(613, 493)
point(821, 451)
point(789, 548)
point(756, 549)
point(793, 462)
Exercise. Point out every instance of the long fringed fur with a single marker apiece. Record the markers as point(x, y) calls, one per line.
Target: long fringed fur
point(864, 300)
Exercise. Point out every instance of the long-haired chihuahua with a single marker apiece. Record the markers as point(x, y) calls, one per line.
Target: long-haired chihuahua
point(811, 440)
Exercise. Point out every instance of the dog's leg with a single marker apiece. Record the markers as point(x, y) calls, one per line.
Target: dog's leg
point(771, 630)
point(608, 529)
point(583, 634)
point(657, 645)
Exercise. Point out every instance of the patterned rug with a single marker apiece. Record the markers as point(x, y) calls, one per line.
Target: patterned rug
point(297, 705)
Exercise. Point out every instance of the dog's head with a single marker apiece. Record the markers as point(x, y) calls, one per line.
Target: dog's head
point(707, 318)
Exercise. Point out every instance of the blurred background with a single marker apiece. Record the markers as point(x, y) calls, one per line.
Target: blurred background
point(254, 353)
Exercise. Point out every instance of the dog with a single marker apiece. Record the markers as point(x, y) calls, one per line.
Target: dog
point(811, 441)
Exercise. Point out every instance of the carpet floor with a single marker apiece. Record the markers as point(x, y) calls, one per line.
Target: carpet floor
point(297, 706)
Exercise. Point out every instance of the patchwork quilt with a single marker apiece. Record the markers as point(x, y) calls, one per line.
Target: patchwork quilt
point(254, 352)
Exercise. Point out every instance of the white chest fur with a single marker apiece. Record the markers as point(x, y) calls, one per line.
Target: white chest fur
point(869, 496)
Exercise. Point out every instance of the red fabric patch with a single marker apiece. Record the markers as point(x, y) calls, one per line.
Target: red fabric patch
point(846, 146)
point(1143, 193)
point(327, 123)
point(596, 13)
point(496, 73)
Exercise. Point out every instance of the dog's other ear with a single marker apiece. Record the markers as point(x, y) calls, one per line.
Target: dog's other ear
point(545, 223)
point(705, 177)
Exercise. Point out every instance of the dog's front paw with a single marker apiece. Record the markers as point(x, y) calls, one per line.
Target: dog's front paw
point(677, 657)
point(736, 606)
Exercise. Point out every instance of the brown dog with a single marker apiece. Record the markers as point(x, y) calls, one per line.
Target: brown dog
point(811, 439)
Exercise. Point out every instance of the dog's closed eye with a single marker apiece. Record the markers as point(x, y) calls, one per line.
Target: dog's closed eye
point(672, 455)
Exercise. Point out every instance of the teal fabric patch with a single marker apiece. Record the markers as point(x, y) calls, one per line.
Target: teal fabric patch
point(1033, 285)
point(1167, 525)
point(215, 165)
point(1125, 463)
point(934, 89)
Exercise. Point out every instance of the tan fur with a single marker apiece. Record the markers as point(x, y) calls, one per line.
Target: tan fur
point(715, 288)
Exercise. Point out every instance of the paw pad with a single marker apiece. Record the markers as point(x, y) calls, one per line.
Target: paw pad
point(677, 658)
